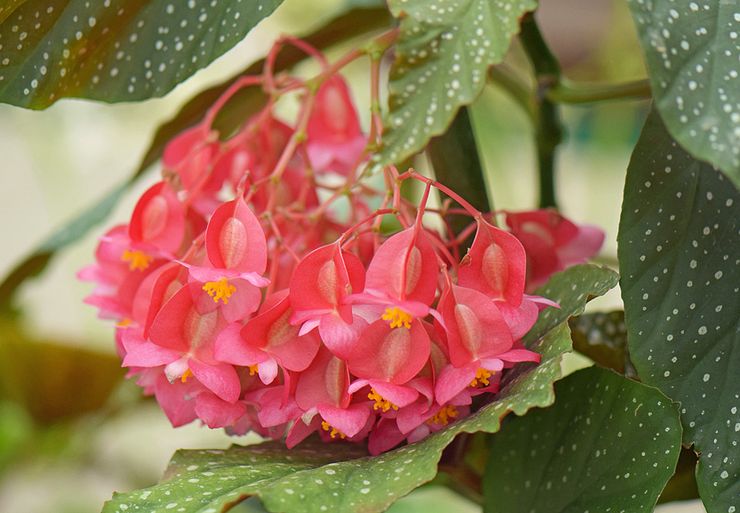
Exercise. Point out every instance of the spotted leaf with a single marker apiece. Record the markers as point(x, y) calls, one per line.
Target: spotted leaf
point(303, 480)
point(679, 253)
point(612, 448)
point(692, 50)
point(114, 50)
point(442, 56)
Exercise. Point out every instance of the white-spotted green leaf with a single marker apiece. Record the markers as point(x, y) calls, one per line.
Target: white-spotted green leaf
point(679, 253)
point(305, 482)
point(114, 50)
point(442, 57)
point(692, 50)
point(607, 444)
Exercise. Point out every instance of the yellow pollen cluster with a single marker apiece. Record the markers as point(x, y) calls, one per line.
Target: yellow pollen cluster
point(124, 322)
point(333, 432)
point(481, 378)
point(253, 369)
point(444, 415)
point(220, 289)
point(137, 260)
point(186, 375)
point(397, 317)
point(380, 404)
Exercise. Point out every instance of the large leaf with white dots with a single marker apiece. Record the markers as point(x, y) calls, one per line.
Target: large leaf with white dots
point(329, 477)
point(114, 50)
point(679, 253)
point(442, 56)
point(692, 50)
point(607, 444)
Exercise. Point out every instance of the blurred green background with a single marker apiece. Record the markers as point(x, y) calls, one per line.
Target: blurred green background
point(71, 431)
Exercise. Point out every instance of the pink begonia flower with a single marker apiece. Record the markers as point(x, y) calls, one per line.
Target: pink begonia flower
point(236, 253)
point(335, 140)
point(495, 265)
point(322, 393)
point(402, 276)
point(117, 281)
point(479, 340)
point(268, 341)
point(190, 153)
point(182, 338)
point(319, 287)
point(552, 242)
point(158, 222)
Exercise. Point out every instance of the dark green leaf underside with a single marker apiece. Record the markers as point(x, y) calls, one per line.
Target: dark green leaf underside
point(442, 57)
point(602, 336)
point(607, 444)
point(114, 50)
point(307, 484)
point(692, 51)
point(679, 251)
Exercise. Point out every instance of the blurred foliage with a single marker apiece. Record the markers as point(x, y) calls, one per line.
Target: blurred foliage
point(54, 381)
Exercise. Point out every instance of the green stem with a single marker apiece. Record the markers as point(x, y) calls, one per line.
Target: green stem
point(579, 94)
point(548, 127)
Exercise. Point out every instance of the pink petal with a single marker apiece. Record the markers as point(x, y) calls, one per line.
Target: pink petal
point(220, 378)
point(217, 413)
point(495, 264)
point(235, 239)
point(453, 380)
point(390, 354)
point(231, 348)
point(339, 336)
point(349, 421)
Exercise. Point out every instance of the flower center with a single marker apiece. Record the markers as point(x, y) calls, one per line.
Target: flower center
point(481, 378)
point(253, 369)
point(397, 317)
point(137, 260)
point(333, 432)
point(380, 404)
point(220, 289)
point(124, 323)
point(444, 415)
point(186, 375)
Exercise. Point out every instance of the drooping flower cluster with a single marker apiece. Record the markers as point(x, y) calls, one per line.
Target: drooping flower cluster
point(255, 288)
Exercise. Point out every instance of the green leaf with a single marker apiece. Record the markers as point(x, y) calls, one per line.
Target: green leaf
point(247, 101)
point(678, 252)
point(607, 444)
point(691, 49)
point(602, 336)
point(456, 163)
point(114, 50)
point(442, 58)
point(294, 481)
point(70, 232)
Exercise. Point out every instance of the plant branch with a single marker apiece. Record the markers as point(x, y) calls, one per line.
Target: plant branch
point(576, 94)
point(548, 127)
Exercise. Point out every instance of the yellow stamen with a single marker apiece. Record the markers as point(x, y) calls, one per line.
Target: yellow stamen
point(481, 378)
point(137, 260)
point(380, 403)
point(333, 432)
point(253, 369)
point(220, 289)
point(124, 322)
point(186, 375)
point(397, 317)
point(444, 415)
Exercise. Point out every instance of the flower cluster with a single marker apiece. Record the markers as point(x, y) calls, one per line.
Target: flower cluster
point(255, 287)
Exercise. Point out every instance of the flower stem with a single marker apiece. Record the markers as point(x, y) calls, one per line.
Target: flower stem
point(548, 127)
